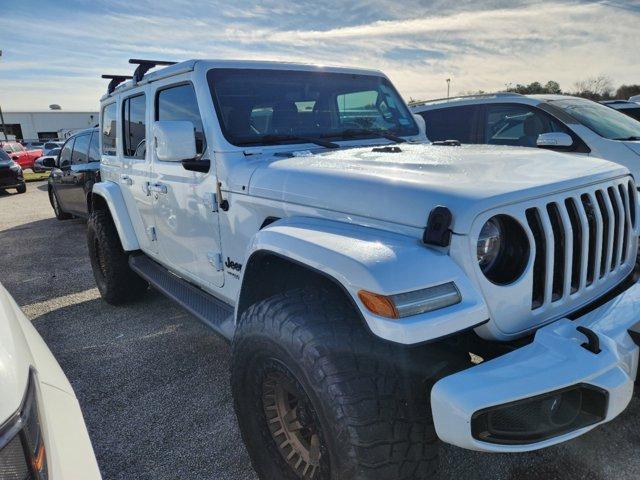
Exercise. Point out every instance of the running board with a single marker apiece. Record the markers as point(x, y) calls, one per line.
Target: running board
point(205, 307)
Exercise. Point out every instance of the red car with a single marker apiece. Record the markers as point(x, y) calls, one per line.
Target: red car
point(21, 155)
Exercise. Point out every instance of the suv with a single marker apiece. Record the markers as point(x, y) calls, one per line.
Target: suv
point(11, 175)
point(556, 122)
point(73, 173)
point(631, 109)
point(301, 214)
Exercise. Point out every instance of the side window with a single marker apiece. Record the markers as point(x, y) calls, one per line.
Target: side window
point(94, 148)
point(456, 123)
point(65, 154)
point(109, 129)
point(17, 148)
point(517, 125)
point(134, 126)
point(363, 110)
point(80, 149)
point(179, 104)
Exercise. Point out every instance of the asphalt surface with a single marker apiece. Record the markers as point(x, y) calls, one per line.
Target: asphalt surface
point(153, 382)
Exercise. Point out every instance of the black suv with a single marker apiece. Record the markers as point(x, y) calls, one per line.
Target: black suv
point(73, 174)
point(11, 174)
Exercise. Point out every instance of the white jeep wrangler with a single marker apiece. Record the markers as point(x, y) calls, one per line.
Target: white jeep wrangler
point(380, 292)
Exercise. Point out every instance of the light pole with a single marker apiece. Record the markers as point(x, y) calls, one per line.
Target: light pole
point(448, 86)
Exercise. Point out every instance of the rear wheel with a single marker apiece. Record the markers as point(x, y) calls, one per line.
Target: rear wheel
point(116, 281)
point(55, 204)
point(318, 396)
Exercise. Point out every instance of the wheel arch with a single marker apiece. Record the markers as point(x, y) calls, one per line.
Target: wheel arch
point(106, 196)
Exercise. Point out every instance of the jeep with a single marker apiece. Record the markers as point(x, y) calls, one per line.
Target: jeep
point(381, 293)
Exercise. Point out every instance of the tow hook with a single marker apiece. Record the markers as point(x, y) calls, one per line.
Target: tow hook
point(593, 342)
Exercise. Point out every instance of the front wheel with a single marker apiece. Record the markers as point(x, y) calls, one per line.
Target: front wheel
point(116, 281)
point(317, 396)
point(22, 188)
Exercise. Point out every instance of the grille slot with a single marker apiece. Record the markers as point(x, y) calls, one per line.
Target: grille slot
point(581, 241)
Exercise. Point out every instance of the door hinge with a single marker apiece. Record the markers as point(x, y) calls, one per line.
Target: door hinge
point(215, 259)
point(151, 231)
point(211, 202)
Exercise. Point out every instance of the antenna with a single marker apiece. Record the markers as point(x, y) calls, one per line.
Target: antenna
point(115, 81)
point(145, 65)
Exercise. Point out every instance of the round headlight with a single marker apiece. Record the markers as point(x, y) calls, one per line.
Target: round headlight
point(489, 244)
point(502, 250)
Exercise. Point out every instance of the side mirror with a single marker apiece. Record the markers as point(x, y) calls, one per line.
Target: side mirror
point(422, 125)
point(174, 140)
point(49, 162)
point(554, 139)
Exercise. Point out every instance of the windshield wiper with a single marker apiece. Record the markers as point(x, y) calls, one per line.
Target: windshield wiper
point(357, 132)
point(628, 139)
point(284, 138)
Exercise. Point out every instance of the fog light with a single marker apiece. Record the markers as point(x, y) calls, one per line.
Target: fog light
point(411, 303)
point(542, 417)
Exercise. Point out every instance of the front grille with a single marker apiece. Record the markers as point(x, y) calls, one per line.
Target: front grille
point(581, 241)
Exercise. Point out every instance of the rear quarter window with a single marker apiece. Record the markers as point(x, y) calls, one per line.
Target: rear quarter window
point(109, 129)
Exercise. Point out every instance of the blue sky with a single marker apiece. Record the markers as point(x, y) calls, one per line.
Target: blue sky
point(55, 51)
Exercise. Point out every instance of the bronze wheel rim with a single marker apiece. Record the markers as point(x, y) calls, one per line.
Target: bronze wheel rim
point(292, 423)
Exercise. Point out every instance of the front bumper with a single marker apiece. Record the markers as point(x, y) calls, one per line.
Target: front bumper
point(554, 360)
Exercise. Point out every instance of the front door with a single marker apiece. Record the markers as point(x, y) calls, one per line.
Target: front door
point(60, 174)
point(185, 217)
point(74, 197)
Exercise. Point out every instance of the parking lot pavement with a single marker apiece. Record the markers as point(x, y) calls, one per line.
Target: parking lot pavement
point(154, 385)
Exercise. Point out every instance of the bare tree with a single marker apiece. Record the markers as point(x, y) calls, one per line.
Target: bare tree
point(595, 88)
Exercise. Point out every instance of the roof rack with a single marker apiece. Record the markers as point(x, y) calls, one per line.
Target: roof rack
point(477, 95)
point(115, 81)
point(145, 65)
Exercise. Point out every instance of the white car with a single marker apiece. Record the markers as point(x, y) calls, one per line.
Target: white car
point(555, 122)
point(631, 109)
point(42, 432)
point(300, 212)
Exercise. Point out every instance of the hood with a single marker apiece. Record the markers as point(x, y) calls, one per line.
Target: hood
point(633, 146)
point(403, 187)
point(15, 358)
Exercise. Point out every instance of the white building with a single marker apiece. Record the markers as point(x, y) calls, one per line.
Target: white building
point(46, 125)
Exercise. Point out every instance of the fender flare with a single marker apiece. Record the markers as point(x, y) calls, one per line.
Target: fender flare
point(363, 258)
point(111, 194)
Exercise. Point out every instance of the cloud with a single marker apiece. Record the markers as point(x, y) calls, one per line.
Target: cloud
point(480, 45)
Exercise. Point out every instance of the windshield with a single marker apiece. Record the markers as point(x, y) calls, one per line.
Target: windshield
point(266, 107)
point(605, 121)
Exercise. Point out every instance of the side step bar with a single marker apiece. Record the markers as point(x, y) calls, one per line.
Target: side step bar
point(212, 312)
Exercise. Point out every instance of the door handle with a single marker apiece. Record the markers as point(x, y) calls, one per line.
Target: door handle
point(126, 179)
point(158, 188)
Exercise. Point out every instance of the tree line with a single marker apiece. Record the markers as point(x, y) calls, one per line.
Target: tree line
point(594, 88)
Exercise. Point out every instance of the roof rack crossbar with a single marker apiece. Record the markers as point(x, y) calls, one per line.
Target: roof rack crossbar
point(115, 81)
point(145, 65)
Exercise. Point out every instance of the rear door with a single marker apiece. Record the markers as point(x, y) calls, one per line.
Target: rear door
point(186, 220)
point(59, 174)
point(74, 180)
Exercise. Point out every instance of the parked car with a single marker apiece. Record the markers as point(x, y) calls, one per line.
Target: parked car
point(73, 173)
point(32, 144)
point(21, 155)
point(635, 98)
point(39, 165)
point(42, 432)
point(300, 212)
point(631, 109)
point(48, 146)
point(555, 122)
point(11, 175)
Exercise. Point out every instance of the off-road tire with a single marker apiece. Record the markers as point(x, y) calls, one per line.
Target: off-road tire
point(57, 209)
point(116, 281)
point(22, 188)
point(370, 398)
